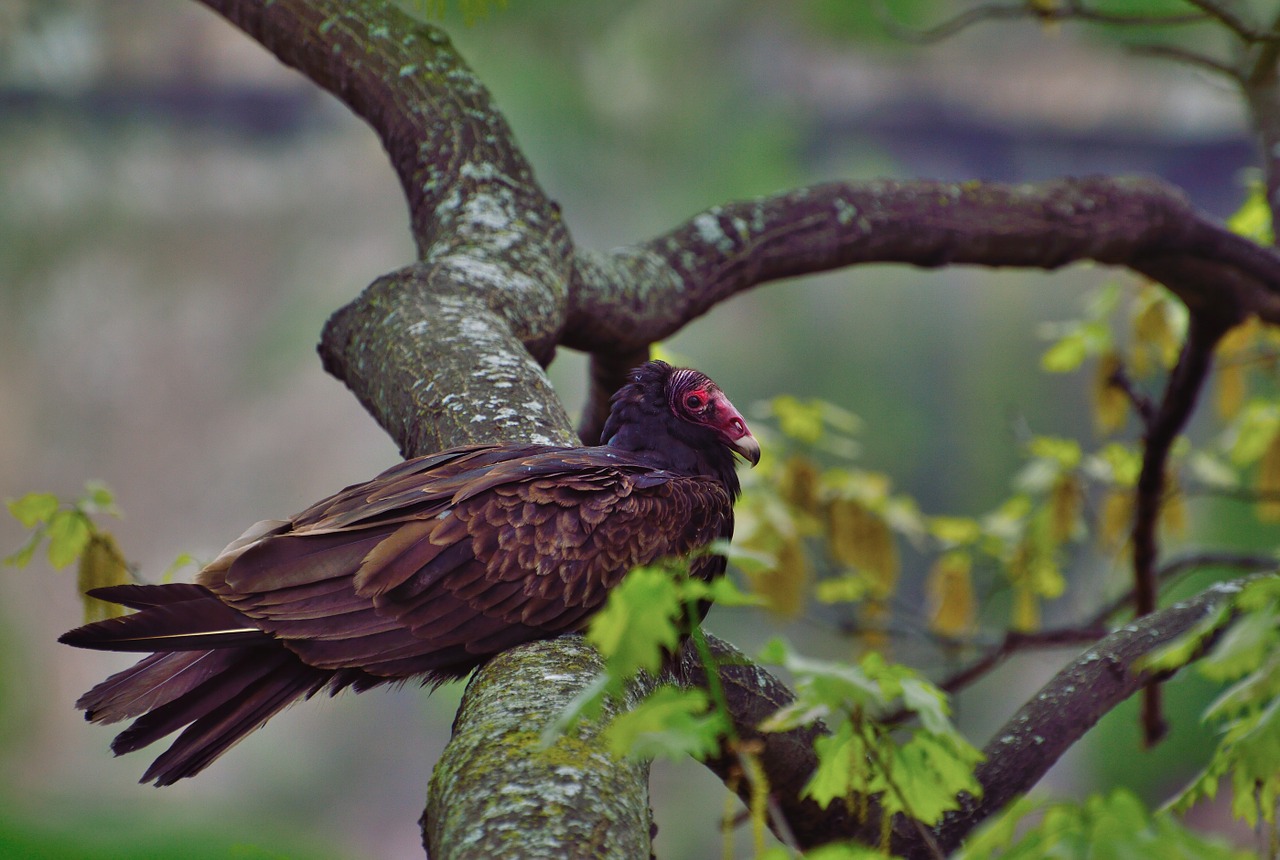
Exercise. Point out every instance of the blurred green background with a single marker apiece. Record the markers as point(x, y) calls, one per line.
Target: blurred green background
point(179, 214)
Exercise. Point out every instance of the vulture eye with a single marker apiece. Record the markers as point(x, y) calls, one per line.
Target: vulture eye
point(695, 401)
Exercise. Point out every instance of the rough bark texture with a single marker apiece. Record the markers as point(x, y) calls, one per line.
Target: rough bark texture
point(450, 349)
point(527, 807)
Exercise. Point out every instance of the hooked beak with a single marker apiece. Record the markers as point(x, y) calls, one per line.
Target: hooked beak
point(733, 427)
point(748, 447)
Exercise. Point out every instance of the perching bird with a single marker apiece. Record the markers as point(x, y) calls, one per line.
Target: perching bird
point(424, 572)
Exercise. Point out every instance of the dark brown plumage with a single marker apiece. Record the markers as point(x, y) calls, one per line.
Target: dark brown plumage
point(423, 572)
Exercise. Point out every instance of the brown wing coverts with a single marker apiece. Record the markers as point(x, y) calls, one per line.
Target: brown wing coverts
point(435, 567)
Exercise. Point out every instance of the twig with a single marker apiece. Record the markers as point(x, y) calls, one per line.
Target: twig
point(1181, 392)
point(1232, 21)
point(1091, 629)
point(1137, 398)
point(1188, 57)
point(1014, 642)
point(1074, 10)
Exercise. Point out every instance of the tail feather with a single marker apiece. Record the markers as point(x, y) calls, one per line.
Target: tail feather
point(226, 725)
point(214, 673)
point(237, 674)
point(148, 684)
point(171, 618)
point(142, 596)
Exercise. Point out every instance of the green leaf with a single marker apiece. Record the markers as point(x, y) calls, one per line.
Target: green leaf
point(828, 687)
point(928, 773)
point(1064, 452)
point(1263, 593)
point(638, 621)
point(1249, 757)
point(1253, 691)
point(1116, 463)
point(837, 851)
point(22, 557)
point(1113, 826)
point(800, 420)
point(849, 588)
point(1212, 471)
point(183, 559)
point(1242, 648)
point(834, 776)
point(994, 837)
point(1246, 440)
point(671, 723)
point(1066, 355)
point(68, 535)
point(1007, 522)
point(929, 703)
point(98, 498)
point(33, 508)
point(1255, 756)
point(749, 561)
point(955, 531)
point(1253, 219)
point(724, 592)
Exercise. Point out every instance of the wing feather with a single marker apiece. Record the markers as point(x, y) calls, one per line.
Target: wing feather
point(442, 561)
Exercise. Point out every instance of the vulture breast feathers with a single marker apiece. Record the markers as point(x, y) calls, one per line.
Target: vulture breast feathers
point(425, 571)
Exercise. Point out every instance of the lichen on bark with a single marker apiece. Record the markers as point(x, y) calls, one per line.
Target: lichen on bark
point(504, 786)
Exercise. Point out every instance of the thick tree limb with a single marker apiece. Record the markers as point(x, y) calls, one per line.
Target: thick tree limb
point(628, 298)
point(502, 793)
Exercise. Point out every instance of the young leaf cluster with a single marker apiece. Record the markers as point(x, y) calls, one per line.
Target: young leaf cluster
point(832, 530)
point(641, 625)
point(73, 535)
point(921, 777)
point(1104, 825)
point(1248, 712)
point(837, 532)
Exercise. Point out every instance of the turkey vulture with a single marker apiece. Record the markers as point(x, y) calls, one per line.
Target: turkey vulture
point(423, 572)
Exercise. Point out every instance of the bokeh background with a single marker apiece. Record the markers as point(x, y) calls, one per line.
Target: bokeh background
point(179, 214)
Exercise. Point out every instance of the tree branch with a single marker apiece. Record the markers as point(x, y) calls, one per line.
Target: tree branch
point(1067, 707)
point(1188, 57)
point(1017, 757)
point(500, 787)
point(636, 295)
point(1072, 10)
point(1182, 390)
point(1221, 13)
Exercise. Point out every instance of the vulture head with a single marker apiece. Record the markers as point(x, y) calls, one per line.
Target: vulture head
point(679, 419)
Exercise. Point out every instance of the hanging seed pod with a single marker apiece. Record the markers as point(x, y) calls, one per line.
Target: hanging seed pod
point(949, 591)
point(101, 565)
